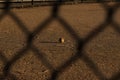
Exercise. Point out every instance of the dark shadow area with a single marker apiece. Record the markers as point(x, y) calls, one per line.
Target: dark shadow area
point(3, 58)
point(81, 43)
point(48, 42)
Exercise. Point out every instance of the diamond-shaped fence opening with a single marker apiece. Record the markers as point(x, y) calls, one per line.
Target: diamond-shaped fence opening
point(11, 36)
point(86, 18)
point(104, 51)
point(51, 46)
point(110, 7)
point(31, 65)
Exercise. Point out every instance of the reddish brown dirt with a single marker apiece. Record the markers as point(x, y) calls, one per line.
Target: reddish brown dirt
point(102, 50)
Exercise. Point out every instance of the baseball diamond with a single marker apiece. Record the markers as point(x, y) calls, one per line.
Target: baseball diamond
point(60, 40)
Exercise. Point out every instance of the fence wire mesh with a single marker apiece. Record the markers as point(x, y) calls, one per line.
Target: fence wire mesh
point(81, 42)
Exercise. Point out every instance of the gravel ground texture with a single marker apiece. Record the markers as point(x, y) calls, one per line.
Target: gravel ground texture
point(100, 56)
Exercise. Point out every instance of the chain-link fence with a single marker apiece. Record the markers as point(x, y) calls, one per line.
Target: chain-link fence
point(31, 3)
point(81, 42)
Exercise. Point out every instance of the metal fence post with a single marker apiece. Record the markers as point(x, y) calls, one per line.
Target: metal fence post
point(22, 3)
point(32, 2)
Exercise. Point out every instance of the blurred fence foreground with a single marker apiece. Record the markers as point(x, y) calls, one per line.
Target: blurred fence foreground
point(81, 42)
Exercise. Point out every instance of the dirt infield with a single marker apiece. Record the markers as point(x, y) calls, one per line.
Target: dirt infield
point(103, 49)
